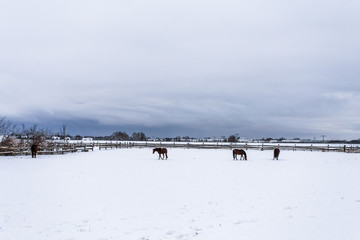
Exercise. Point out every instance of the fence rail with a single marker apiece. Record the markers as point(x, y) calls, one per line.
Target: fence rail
point(62, 148)
point(57, 148)
point(260, 146)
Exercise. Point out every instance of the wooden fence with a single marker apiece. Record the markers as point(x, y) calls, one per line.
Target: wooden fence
point(62, 148)
point(260, 146)
point(48, 150)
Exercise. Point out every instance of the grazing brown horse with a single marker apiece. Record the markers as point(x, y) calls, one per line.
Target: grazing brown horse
point(276, 154)
point(161, 151)
point(34, 149)
point(240, 152)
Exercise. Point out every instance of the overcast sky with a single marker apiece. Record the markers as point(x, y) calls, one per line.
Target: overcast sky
point(258, 68)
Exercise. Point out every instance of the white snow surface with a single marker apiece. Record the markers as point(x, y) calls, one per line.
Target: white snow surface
point(203, 194)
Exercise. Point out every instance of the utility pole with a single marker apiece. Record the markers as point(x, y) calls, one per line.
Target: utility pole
point(323, 136)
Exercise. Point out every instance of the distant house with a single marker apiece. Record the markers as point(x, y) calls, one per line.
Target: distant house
point(87, 139)
point(55, 138)
point(291, 141)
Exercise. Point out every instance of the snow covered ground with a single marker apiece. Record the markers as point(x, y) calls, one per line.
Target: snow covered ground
point(128, 194)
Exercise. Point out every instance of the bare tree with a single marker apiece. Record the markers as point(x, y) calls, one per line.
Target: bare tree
point(62, 132)
point(37, 135)
point(6, 127)
point(139, 136)
point(232, 138)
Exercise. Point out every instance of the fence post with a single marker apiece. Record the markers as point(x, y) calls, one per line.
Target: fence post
point(344, 148)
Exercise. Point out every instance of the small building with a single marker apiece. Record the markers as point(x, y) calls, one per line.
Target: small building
point(87, 139)
point(55, 138)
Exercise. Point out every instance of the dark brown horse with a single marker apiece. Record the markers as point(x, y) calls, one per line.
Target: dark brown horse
point(34, 150)
point(161, 151)
point(276, 154)
point(240, 152)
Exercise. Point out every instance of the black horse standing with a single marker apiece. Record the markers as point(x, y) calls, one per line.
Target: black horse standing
point(34, 149)
point(276, 154)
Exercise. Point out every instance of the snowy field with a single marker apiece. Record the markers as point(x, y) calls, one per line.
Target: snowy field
point(127, 194)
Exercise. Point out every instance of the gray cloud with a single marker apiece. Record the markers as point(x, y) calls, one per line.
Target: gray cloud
point(256, 68)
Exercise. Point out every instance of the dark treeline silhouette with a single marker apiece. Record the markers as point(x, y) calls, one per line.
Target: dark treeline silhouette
point(116, 136)
point(123, 136)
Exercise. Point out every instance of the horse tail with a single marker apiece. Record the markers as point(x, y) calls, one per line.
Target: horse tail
point(245, 155)
point(276, 153)
point(234, 155)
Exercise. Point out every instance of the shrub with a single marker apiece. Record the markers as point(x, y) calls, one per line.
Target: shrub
point(9, 141)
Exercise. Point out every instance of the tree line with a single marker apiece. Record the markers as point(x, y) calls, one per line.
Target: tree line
point(12, 135)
